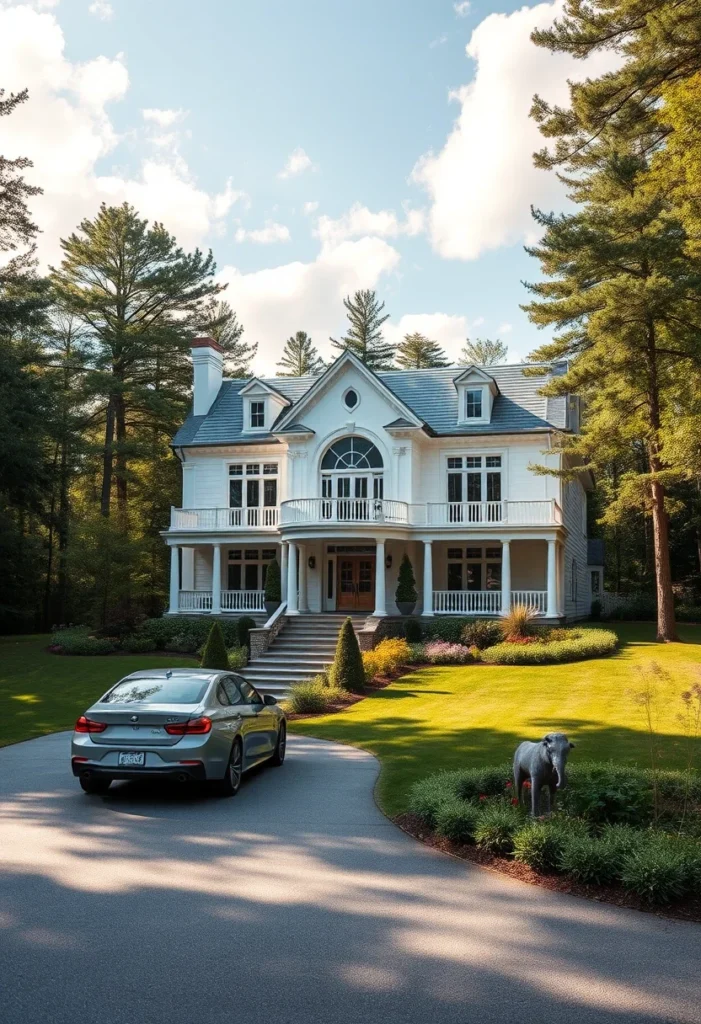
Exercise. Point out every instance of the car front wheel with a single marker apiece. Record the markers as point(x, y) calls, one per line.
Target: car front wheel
point(278, 757)
point(231, 783)
point(96, 786)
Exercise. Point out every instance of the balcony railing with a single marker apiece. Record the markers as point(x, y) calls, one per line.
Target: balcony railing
point(224, 518)
point(343, 510)
point(485, 602)
point(231, 601)
point(466, 515)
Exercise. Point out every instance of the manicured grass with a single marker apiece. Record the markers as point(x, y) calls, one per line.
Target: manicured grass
point(41, 692)
point(453, 717)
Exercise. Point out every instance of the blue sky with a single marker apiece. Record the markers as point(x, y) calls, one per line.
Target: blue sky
point(413, 155)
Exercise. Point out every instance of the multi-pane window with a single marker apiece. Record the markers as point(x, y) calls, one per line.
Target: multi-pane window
point(473, 403)
point(248, 567)
point(474, 478)
point(257, 414)
point(260, 485)
point(474, 568)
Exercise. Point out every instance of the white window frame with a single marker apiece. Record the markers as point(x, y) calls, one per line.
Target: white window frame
point(466, 561)
point(484, 454)
point(261, 461)
point(486, 403)
point(259, 562)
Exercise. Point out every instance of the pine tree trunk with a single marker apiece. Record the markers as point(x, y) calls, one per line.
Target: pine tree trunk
point(121, 461)
point(63, 527)
point(107, 457)
point(666, 625)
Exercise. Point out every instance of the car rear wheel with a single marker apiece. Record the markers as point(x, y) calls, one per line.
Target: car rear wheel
point(278, 757)
point(231, 783)
point(94, 785)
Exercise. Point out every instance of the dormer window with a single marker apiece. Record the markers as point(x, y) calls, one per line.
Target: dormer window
point(257, 415)
point(473, 403)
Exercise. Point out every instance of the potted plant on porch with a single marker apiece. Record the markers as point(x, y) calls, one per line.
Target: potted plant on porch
point(406, 594)
point(273, 590)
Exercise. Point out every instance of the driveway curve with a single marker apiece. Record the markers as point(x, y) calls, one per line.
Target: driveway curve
point(297, 901)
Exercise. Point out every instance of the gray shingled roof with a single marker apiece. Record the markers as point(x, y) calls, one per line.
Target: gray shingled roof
point(431, 394)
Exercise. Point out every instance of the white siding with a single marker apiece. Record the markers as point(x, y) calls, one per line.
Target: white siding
point(574, 515)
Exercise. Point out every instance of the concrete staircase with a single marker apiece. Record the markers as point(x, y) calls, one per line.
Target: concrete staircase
point(304, 647)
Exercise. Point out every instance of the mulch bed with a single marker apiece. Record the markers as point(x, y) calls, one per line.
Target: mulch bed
point(690, 910)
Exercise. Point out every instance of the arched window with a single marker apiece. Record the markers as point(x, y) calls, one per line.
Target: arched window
point(351, 453)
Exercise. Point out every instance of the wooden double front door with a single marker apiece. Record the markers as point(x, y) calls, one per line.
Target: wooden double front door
point(355, 584)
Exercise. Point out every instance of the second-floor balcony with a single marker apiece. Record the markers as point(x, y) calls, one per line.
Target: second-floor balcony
point(467, 515)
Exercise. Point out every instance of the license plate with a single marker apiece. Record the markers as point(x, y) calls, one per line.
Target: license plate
point(132, 759)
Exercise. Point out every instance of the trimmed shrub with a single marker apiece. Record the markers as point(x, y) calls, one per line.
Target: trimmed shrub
point(180, 645)
point(439, 652)
point(214, 654)
point(607, 793)
point(457, 820)
point(244, 625)
point(347, 671)
point(497, 826)
point(540, 845)
point(391, 654)
point(80, 644)
point(138, 644)
point(238, 657)
point(273, 582)
point(657, 872)
point(406, 583)
point(194, 628)
point(590, 643)
point(311, 696)
point(417, 654)
point(412, 630)
point(490, 780)
point(482, 633)
point(371, 665)
point(445, 628)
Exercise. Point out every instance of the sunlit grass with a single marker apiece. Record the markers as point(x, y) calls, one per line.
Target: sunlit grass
point(452, 717)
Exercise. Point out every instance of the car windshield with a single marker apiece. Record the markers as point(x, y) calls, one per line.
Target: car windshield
point(176, 690)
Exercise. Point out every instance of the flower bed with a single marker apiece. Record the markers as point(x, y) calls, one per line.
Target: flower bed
point(541, 650)
point(606, 831)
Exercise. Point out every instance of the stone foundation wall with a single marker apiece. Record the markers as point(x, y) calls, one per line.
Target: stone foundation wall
point(261, 638)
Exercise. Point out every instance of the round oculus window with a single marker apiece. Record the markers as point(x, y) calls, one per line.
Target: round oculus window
point(351, 399)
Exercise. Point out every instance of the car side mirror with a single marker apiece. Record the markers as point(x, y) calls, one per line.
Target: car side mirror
point(269, 699)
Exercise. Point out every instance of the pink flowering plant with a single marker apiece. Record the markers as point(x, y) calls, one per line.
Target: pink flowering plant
point(440, 652)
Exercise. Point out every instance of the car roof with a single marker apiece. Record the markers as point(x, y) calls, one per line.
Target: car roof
point(169, 673)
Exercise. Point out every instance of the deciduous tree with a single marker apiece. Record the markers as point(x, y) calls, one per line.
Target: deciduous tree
point(483, 352)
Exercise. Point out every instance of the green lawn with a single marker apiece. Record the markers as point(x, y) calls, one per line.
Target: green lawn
point(455, 717)
point(41, 692)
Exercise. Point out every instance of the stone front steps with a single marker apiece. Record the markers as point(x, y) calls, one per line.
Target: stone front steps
point(305, 646)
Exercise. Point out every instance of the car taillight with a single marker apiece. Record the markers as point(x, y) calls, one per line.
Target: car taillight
point(196, 727)
point(87, 725)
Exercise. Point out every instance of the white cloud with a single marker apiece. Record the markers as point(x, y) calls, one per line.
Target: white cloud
point(275, 302)
point(438, 41)
point(310, 208)
point(102, 10)
point(477, 322)
point(163, 118)
point(482, 182)
point(462, 9)
point(505, 328)
point(297, 162)
point(359, 221)
point(65, 128)
point(449, 331)
point(271, 232)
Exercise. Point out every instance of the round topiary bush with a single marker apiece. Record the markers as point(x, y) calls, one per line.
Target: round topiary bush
point(589, 643)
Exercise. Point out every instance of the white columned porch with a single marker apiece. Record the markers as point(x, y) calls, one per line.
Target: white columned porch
point(380, 598)
point(551, 607)
point(292, 608)
point(428, 579)
point(174, 581)
point(303, 603)
point(283, 569)
point(505, 577)
point(216, 579)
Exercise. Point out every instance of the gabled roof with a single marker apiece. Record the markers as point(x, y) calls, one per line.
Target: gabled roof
point(471, 372)
point(427, 398)
point(264, 385)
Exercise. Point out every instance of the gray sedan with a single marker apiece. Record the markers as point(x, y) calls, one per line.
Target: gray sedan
point(182, 724)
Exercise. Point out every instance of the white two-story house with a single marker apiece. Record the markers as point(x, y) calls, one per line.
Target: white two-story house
point(338, 476)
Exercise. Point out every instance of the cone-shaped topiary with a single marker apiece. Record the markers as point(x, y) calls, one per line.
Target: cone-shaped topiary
point(273, 585)
point(406, 594)
point(347, 672)
point(214, 654)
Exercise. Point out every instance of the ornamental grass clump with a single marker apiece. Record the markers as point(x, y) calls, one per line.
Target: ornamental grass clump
point(347, 672)
point(457, 820)
point(312, 696)
point(215, 655)
point(657, 872)
point(517, 624)
point(588, 859)
point(496, 828)
point(541, 844)
point(430, 793)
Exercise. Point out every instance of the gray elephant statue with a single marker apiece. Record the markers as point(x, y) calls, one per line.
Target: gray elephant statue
point(543, 764)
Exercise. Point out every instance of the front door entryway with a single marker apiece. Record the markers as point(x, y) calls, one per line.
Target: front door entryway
point(355, 586)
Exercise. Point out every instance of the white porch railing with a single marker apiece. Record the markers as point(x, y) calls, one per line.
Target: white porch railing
point(343, 510)
point(224, 518)
point(243, 600)
point(485, 602)
point(537, 599)
point(480, 513)
point(467, 602)
point(195, 601)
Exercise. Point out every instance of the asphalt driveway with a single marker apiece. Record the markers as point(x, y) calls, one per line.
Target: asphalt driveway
point(296, 901)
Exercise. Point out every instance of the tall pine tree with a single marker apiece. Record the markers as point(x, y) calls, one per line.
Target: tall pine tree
point(222, 324)
point(417, 352)
point(300, 357)
point(364, 336)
